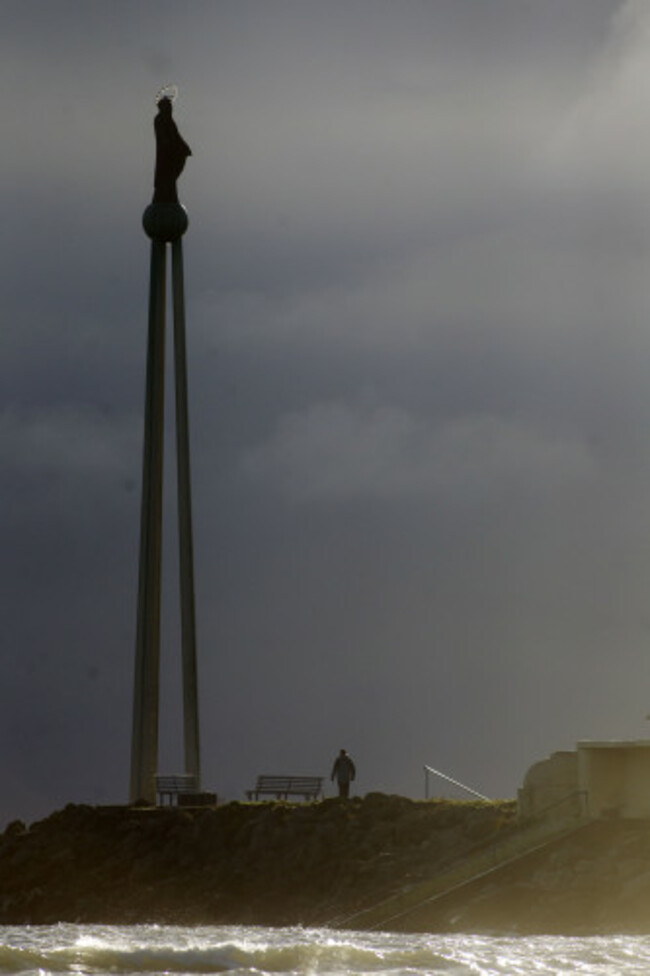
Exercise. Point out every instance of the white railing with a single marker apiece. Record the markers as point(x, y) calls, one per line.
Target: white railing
point(436, 772)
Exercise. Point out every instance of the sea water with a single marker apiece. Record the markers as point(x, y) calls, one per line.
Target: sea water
point(146, 949)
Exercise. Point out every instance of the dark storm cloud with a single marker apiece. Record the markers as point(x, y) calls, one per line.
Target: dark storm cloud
point(417, 296)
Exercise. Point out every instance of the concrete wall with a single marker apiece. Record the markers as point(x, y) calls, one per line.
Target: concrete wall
point(600, 779)
point(616, 778)
point(550, 788)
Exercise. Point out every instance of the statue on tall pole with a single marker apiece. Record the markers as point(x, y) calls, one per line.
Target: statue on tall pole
point(171, 153)
point(165, 221)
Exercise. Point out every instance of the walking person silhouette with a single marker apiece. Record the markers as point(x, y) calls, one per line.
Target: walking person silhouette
point(344, 771)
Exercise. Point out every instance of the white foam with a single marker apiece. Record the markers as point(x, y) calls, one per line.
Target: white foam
point(253, 951)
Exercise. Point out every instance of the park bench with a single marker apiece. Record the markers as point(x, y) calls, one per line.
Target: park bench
point(174, 786)
point(282, 787)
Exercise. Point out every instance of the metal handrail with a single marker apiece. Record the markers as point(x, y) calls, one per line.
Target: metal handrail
point(494, 853)
point(438, 896)
point(436, 772)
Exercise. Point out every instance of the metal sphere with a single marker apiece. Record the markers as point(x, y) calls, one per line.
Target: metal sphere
point(165, 222)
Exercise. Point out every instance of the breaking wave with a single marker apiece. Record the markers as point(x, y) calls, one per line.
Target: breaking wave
point(237, 950)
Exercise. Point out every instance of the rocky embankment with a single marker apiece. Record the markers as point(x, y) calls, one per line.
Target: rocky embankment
point(321, 863)
point(258, 863)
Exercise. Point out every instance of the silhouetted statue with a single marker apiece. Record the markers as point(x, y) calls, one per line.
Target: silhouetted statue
point(171, 153)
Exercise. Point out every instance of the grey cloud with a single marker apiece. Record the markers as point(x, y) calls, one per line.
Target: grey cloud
point(339, 451)
point(417, 304)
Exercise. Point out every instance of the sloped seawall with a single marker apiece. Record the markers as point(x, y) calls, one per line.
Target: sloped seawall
point(255, 863)
point(344, 863)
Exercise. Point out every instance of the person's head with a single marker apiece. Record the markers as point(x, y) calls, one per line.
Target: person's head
point(343, 752)
point(165, 105)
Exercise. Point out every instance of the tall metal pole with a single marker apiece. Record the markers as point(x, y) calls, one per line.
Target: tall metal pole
point(144, 743)
point(186, 546)
point(165, 223)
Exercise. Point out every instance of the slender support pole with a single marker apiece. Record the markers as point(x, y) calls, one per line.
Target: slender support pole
point(164, 222)
point(186, 553)
point(144, 749)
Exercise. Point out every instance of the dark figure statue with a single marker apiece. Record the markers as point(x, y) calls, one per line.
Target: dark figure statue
point(171, 153)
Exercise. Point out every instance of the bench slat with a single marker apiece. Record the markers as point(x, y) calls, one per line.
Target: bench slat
point(172, 786)
point(309, 787)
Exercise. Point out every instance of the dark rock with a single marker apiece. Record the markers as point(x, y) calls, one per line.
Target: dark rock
point(283, 863)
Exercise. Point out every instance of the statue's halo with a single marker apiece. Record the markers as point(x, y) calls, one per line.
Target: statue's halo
point(167, 91)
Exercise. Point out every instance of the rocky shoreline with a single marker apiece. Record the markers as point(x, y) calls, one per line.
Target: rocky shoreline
point(326, 863)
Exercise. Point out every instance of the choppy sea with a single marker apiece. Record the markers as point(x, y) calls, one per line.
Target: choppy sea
point(139, 949)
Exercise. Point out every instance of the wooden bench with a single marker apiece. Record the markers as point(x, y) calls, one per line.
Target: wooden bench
point(173, 786)
point(282, 787)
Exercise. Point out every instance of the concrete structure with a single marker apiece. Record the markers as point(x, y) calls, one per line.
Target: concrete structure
point(615, 777)
point(597, 779)
point(550, 788)
point(165, 223)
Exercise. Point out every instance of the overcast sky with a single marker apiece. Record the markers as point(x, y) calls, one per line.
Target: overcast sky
point(418, 312)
